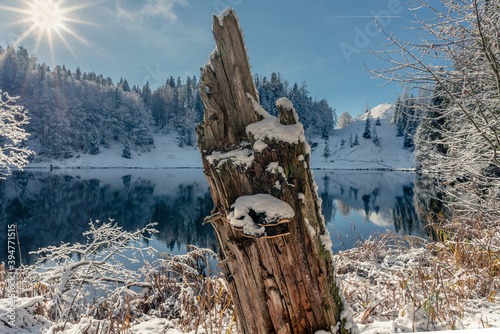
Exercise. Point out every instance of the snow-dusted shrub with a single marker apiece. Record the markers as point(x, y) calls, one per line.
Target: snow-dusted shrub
point(421, 285)
point(87, 288)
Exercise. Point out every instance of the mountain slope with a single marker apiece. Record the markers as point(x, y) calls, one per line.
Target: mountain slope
point(390, 153)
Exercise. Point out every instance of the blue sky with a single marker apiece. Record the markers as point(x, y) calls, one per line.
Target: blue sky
point(324, 42)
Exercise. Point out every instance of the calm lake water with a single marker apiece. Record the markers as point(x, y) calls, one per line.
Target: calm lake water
point(55, 207)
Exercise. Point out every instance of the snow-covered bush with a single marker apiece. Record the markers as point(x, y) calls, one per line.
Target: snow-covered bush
point(87, 288)
point(408, 284)
point(344, 120)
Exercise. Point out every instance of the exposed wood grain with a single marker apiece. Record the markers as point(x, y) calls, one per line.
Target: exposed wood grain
point(282, 282)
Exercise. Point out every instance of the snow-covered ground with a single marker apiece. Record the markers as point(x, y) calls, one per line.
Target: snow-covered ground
point(390, 153)
point(167, 154)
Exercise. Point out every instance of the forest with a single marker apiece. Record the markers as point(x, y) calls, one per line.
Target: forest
point(73, 112)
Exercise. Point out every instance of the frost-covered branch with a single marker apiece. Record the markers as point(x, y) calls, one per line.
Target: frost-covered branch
point(95, 264)
point(457, 51)
point(13, 119)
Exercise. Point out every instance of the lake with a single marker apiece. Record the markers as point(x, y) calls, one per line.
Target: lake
point(54, 207)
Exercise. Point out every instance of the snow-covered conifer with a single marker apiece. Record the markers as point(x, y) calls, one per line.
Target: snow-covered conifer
point(326, 152)
point(94, 142)
point(367, 133)
point(375, 138)
point(126, 150)
point(356, 140)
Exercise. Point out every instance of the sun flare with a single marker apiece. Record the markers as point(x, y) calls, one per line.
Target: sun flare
point(46, 15)
point(46, 18)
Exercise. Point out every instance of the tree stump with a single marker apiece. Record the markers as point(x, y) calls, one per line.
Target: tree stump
point(274, 249)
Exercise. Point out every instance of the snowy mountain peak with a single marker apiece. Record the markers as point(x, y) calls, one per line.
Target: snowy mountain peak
point(384, 110)
point(351, 148)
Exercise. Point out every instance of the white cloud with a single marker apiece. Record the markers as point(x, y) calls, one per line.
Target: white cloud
point(142, 9)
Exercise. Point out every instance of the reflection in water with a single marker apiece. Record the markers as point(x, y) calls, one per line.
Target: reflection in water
point(50, 207)
point(55, 207)
point(357, 204)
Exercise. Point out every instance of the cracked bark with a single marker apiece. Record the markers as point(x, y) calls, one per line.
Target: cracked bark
point(279, 284)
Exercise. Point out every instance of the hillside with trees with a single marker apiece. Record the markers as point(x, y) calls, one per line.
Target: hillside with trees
point(72, 112)
point(75, 112)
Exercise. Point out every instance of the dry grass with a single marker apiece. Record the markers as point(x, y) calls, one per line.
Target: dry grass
point(433, 283)
point(183, 289)
point(188, 291)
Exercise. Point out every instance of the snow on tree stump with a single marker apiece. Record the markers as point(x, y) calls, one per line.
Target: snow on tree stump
point(274, 249)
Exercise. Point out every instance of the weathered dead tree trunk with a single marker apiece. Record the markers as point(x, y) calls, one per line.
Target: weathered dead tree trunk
point(274, 247)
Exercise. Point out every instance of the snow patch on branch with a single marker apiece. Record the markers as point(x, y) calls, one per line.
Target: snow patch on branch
point(257, 107)
point(271, 128)
point(259, 146)
point(239, 157)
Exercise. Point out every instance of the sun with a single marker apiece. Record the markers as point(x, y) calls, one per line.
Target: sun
point(46, 19)
point(46, 15)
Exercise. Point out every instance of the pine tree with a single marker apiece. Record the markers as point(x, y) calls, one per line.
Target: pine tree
point(378, 123)
point(408, 141)
point(356, 141)
point(125, 86)
point(146, 95)
point(326, 152)
point(399, 117)
point(367, 133)
point(430, 132)
point(126, 150)
point(117, 98)
point(94, 142)
point(411, 123)
point(375, 138)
